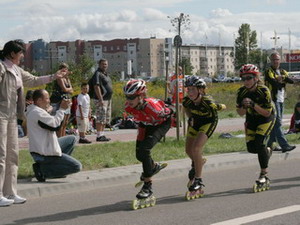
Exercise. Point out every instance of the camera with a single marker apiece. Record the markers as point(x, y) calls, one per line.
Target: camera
point(65, 96)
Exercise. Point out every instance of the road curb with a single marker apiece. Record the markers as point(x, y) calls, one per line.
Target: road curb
point(89, 180)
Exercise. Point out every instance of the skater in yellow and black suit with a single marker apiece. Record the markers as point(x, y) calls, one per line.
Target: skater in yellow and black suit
point(254, 101)
point(203, 119)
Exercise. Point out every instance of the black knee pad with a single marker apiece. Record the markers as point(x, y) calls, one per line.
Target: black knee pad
point(251, 147)
point(142, 154)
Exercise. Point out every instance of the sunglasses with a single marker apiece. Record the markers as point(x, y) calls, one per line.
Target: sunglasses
point(131, 97)
point(247, 78)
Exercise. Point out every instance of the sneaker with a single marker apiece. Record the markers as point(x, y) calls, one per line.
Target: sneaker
point(37, 172)
point(6, 202)
point(103, 138)
point(16, 199)
point(84, 141)
point(288, 148)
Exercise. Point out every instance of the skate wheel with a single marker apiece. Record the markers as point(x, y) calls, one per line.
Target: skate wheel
point(188, 196)
point(142, 204)
point(147, 202)
point(152, 201)
point(138, 184)
point(135, 204)
point(255, 188)
point(164, 165)
point(193, 196)
point(268, 185)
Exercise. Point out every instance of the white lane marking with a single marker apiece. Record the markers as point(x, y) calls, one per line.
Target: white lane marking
point(260, 216)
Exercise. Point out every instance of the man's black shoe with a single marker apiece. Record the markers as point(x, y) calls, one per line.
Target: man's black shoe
point(84, 141)
point(288, 148)
point(102, 138)
point(37, 172)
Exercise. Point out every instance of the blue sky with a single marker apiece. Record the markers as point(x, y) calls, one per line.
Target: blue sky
point(218, 20)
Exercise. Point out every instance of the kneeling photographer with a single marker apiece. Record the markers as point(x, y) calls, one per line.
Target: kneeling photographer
point(52, 155)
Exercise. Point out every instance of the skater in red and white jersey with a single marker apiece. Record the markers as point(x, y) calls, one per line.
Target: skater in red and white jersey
point(154, 118)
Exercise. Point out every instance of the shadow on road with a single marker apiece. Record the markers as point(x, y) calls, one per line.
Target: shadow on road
point(70, 215)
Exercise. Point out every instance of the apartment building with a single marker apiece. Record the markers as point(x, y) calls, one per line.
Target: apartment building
point(137, 57)
point(209, 60)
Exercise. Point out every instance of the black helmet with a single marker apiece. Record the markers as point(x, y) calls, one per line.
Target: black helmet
point(194, 81)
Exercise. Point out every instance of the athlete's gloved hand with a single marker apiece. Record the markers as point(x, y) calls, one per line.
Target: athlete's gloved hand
point(247, 103)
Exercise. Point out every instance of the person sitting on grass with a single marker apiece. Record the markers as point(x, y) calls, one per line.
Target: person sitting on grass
point(52, 155)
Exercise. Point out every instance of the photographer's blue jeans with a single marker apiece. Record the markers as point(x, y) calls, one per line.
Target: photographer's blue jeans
point(277, 133)
point(59, 166)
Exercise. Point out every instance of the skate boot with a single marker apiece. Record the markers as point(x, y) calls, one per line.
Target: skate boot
point(157, 167)
point(191, 174)
point(195, 190)
point(145, 197)
point(262, 183)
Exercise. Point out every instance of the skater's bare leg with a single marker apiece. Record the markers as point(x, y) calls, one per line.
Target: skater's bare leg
point(194, 149)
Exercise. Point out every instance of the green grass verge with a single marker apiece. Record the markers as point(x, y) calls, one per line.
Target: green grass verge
point(98, 156)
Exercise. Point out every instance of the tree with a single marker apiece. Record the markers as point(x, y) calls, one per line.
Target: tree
point(186, 65)
point(244, 44)
point(258, 58)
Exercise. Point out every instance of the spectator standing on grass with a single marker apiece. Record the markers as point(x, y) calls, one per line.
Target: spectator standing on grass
point(62, 89)
point(52, 155)
point(276, 80)
point(101, 91)
point(83, 113)
point(12, 81)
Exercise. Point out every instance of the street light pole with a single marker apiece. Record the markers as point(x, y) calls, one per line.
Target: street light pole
point(178, 22)
point(275, 38)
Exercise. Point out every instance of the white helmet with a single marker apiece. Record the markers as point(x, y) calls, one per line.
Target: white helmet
point(135, 87)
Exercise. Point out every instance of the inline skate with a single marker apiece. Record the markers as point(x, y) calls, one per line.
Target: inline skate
point(195, 189)
point(262, 183)
point(191, 174)
point(144, 198)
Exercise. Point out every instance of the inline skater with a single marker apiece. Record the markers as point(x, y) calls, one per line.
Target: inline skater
point(254, 101)
point(154, 119)
point(201, 110)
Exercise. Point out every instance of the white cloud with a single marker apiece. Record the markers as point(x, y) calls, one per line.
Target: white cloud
point(153, 15)
point(65, 20)
point(276, 2)
point(220, 13)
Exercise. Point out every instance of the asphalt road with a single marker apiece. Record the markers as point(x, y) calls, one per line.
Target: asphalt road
point(228, 200)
